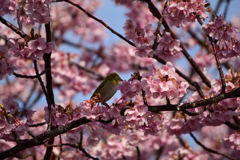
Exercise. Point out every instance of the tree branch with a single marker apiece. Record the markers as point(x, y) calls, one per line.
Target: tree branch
point(98, 20)
point(233, 94)
point(27, 76)
point(210, 150)
point(38, 140)
point(157, 14)
point(14, 28)
point(51, 102)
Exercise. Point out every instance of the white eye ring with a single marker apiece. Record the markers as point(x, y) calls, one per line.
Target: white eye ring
point(117, 78)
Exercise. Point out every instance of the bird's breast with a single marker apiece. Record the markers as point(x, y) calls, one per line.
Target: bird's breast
point(108, 90)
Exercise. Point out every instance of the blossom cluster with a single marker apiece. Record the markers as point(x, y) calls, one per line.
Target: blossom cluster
point(35, 11)
point(187, 154)
point(168, 47)
point(127, 128)
point(159, 83)
point(145, 38)
point(228, 44)
point(34, 49)
point(12, 120)
point(125, 57)
point(232, 82)
point(221, 111)
point(73, 79)
point(139, 12)
point(179, 126)
point(163, 83)
point(29, 11)
point(5, 68)
point(67, 17)
point(8, 7)
point(233, 141)
point(180, 12)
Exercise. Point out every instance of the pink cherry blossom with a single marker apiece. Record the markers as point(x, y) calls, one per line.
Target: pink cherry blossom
point(162, 83)
point(179, 13)
point(38, 44)
point(10, 105)
point(224, 33)
point(8, 7)
point(130, 125)
point(129, 90)
point(168, 47)
point(34, 50)
point(234, 141)
point(35, 12)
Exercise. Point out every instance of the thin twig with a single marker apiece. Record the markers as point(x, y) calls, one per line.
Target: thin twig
point(61, 148)
point(217, 8)
point(33, 87)
point(38, 124)
point(37, 98)
point(182, 142)
point(209, 149)
point(100, 77)
point(226, 8)
point(40, 80)
point(48, 151)
point(80, 147)
point(219, 67)
point(14, 28)
point(232, 126)
point(98, 20)
point(27, 76)
point(159, 152)
point(138, 153)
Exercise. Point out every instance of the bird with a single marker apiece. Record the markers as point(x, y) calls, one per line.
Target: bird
point(108, 87)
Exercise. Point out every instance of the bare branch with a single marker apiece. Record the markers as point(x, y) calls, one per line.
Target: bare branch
point(27, 76)
point(98, 20)
point(210, 150)
point(14, 28)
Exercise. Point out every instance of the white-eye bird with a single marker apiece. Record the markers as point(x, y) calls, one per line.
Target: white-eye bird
point(108, 87)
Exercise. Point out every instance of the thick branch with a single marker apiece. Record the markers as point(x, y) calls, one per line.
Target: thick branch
point(38, 140)
point(233, 94)
point(47, 60)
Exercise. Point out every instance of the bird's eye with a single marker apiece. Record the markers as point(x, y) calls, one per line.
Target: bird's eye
point(117, 78)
